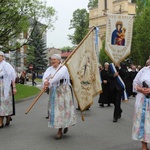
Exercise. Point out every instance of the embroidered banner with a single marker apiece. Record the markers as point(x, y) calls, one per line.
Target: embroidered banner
point(118, 36)
point(84, 71)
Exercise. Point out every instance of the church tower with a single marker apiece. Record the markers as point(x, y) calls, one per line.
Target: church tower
point(97, 15)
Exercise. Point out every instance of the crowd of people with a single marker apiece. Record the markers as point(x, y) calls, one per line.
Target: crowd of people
point(22, 77)
point(137, 83)
point(112, 87)
point(116, 80)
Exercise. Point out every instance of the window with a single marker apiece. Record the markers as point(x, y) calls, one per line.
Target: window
point(105, 4)
point(133, 1)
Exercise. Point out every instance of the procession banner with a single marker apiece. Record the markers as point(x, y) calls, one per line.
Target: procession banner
point(118, 36)
point(84, 71)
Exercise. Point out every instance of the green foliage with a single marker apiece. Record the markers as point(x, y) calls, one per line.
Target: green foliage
point(24, 91)
point(92, 3)
point(79, 22)
point(15, 16)
point(133, 1)
point(66, 48)
point(38, 80)
point(103, 56)
point(141, 33)
point(12, 21)
point(36, 52)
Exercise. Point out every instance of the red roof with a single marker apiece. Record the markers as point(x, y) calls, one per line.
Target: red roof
point(65, 54)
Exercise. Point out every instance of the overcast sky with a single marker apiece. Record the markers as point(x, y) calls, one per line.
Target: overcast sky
point(65, 8)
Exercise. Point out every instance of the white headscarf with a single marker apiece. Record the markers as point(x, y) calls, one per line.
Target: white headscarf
point(1, 53)
point(57, 56)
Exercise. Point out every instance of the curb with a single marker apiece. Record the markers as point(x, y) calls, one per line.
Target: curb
point(26, 99)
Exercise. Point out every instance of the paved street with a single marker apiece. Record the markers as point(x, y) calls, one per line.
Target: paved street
point(97, 132)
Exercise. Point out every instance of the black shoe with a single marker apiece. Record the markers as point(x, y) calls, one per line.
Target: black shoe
point(10, 119)
point(119, 116)
point(47, 117)
point(108, 105)
point(102, 105)
point(2, 126)
point(115, 120)
point(7, 123)
point(65, 130)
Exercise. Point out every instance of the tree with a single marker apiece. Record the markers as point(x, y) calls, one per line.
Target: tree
point(36, 51)
point(15, 16)
point(66, 48)
point(79, 22)
point(141, 33)
point(92, 3)
point(103, 56)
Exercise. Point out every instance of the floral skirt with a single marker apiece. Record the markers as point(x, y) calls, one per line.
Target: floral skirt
point(61, 107)
point(6, 105)
point(141, 121)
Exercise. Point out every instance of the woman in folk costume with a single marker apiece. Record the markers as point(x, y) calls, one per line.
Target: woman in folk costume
point(141, 122)
point(7, 89)
point(61, 106)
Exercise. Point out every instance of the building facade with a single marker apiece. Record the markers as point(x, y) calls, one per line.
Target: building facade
point(18, 57)
point(98, 14)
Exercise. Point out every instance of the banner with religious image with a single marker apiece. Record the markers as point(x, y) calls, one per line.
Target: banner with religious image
point(118, 36)
point(84, 70)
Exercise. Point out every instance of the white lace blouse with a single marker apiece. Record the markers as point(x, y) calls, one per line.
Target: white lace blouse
point(8, 74)
point(54, 79)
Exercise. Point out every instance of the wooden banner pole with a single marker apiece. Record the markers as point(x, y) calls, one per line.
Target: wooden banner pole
point(35, 100)
point(43, 90)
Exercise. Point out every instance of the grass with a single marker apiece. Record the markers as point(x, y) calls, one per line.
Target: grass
point(25, 91)
point(38, 80)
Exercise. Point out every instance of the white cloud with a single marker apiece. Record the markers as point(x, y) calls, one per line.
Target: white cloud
point(65, 8)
